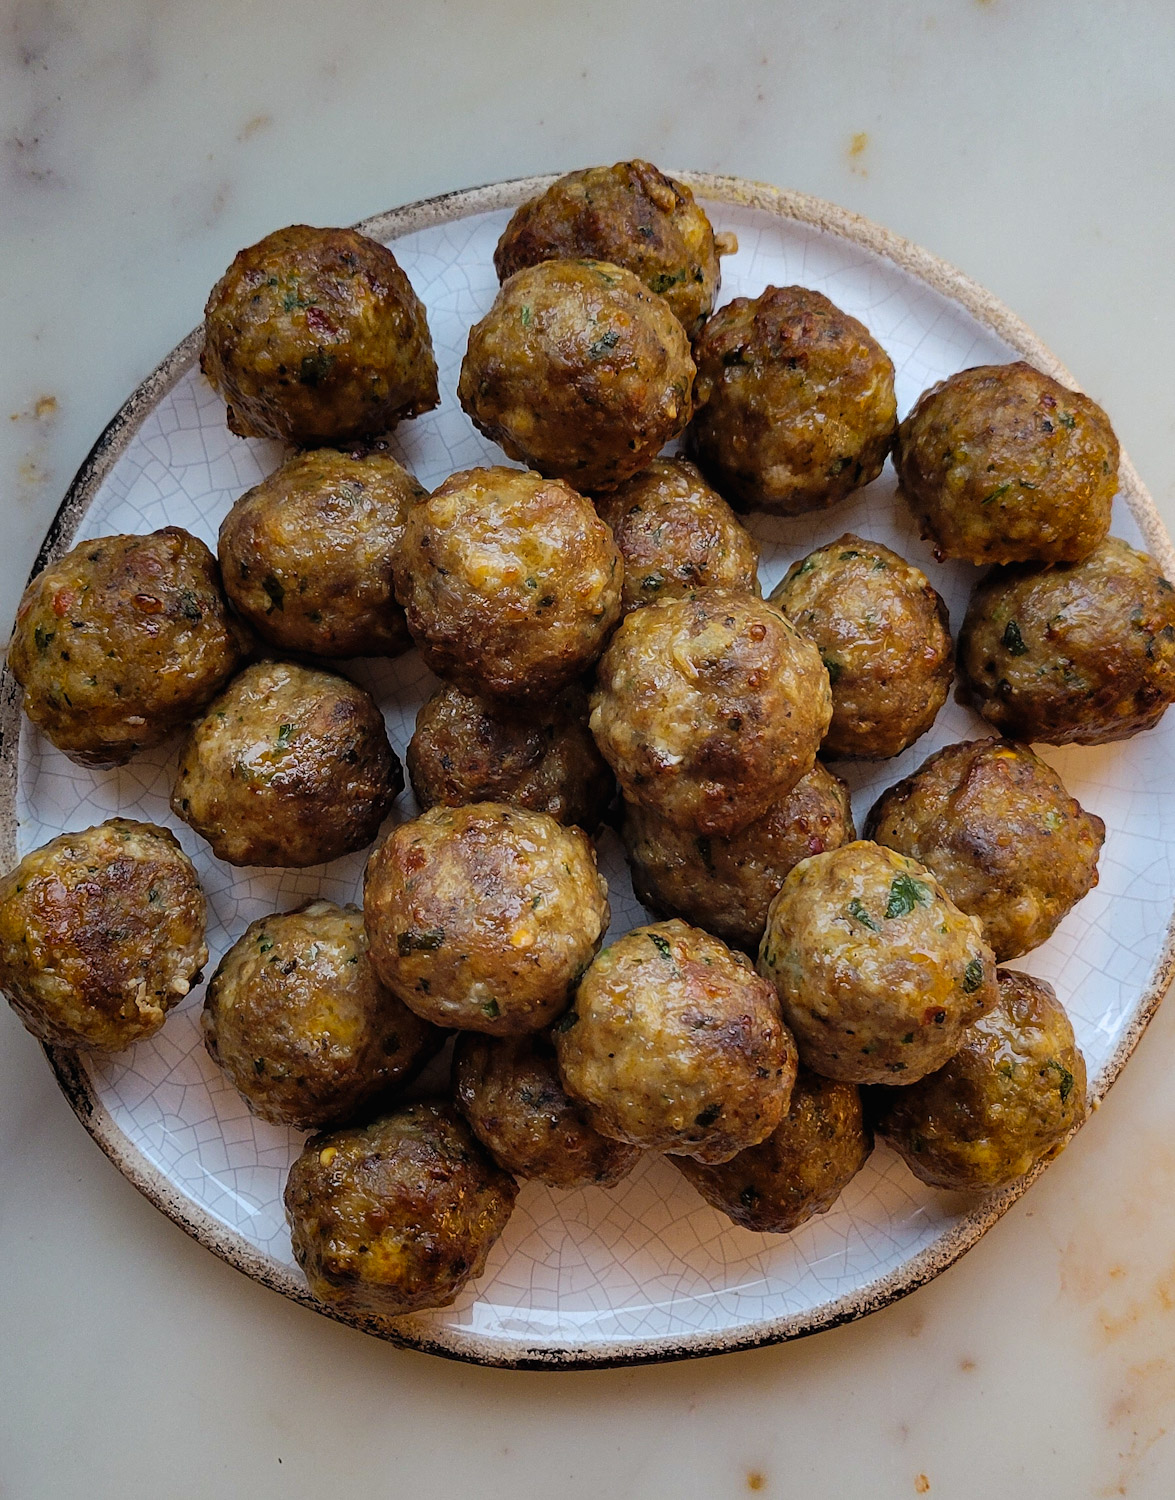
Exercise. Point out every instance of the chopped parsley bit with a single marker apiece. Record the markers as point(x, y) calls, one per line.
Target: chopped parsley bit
point(661, 944)
point(492, 1009)
point(566, 1021)
point(1165, 586)
point(605, 342)
point(189, 607)
point(315, 367)
point(857, 911)
point(1067, 419)
point(1066, 1078)
point(1004, 1069)
point(43, 637)
point(283, 735)
point(972, 976)
point(1053, 820)
point(665, 279)
point(424, 940)
point(905, 894)
point(806, 566)
point(1000, 489)
point(844, 556)
point(879, 565)
point(653, 582)
point(276, 591)
point(832, 667)
point(527, 314)
point(537, 901)
point(532, 583)
point(1013, 640)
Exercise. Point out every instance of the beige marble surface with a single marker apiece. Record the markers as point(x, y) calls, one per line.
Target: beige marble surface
point(141, 143)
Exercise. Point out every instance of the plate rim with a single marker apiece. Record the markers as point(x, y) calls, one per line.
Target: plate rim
point(413, 1331)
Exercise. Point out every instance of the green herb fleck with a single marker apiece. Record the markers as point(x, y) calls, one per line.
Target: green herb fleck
point(972, 976)
point(315, 367)
point(423, 940)
point(566, 1021)
point(904, 895)
point(492, 1009)
point(661, 944)
point(1013, 640)
point(665, 279)
point(806, 566)
point(283, 735)
point(43, 637)
point(1000, 489)
point(653, 582)
point(832, 667)
point(844, 556)
point(857, 911)
point(189, 607)
point(527, 314)
point(1067, 419)
point(1053, 820)
point(605, 342)
point(1065, 1083)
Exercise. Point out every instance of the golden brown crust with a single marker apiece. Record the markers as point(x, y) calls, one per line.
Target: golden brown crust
point(675, 1044)
point(883, 634)
point(484, 917)
point(710, 709)
point(802, 1167)
point(1079, 653)
point(727, 885)
point(316, 336)
point(543, 757)
point(677, 535)
point(101, 933)
point(307, 554)
point(878, 972)
point(578, 371)
point(397, 1215)
point(301, 1025)
point(794, 402)
point(510, 582)
point(630, 214)
point(1001, 833)
point(121, 642)
point(509, 1090)
point(1007, 1099)
point(1003, 464)
point(290, 766)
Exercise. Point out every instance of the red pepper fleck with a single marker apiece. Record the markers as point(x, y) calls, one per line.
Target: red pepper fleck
point(317, 320)
point(63, 601)
point(148, 604)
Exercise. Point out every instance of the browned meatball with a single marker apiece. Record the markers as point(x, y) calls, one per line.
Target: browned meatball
point(710, 709)
point(1080, 653)
point(508, 1088)
point(511, 582)
point(579, 371)
point(878, 971)
point(802, 1167)
point(304, 1030)
point(542, 757)
point(677, 535)
point(794, 402)
point(101, 933)
point(484, 917)
point(398, 1215)
point(316, 336)
point(884, 637)
point(121, 642)
point(1006, 1100)
point(1003, 464)
point(727, 885)
point(630, 214)
point(1002, 834)
point(289, 766)
point(675, 1044)
point(307, 554)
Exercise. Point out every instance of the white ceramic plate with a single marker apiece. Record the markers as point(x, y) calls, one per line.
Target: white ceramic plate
point(647, 1270)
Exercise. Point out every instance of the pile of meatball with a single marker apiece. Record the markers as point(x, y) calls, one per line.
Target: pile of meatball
point(596, 623)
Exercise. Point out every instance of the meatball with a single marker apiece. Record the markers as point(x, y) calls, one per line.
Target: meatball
point(1005, 839)
point(316, 336)
point(630, 214)
point(884, 636)
point(579, 371)
point(710, 709)
point(794, 402)
point(878, 971)
point(727, 885)
point(305, 1031)
point(1079, 653)
point(484, 917)
point(511, 582)
point(307, 554)
point(123, 641)
point(101, 933)
point(802, 1167)
point(677, 535)
point(479, 750)
point(1006, 1100)
point(1003, 464)
point(289, 766)
point(398, 1215)
point(675, 1044)
point(508, 1089)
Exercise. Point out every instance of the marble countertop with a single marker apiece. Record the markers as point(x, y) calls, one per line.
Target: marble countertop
point(140, 145)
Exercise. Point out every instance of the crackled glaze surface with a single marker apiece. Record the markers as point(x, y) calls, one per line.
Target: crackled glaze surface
point(646, 1269)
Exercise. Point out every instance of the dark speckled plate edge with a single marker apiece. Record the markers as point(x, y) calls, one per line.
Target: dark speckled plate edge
point(414, 1332)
